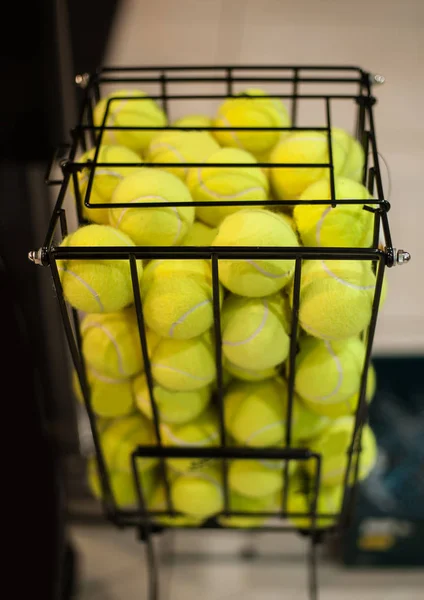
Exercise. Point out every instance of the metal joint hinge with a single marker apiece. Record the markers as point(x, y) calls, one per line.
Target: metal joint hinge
point(38, 257)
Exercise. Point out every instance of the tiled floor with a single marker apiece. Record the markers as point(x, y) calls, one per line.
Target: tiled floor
point(208, 565)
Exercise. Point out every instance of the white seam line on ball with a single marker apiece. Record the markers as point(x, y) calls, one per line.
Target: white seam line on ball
point(231, 132)
point(100, 171)
point(347, 283)
point(159, 199)
point(339, 380)
point(86, 285)
point(180, 157)
point(266, 273)
point(263, 429)
point(255, 333)
point(183, 443)
point(217, 196)
point(185, 315)
point(180, 371)
point(109, 335)
point(320, 224)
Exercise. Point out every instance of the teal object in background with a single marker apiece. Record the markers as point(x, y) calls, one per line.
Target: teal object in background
point(388, 525)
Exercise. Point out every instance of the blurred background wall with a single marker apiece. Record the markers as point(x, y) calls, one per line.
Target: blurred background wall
point(384, 37)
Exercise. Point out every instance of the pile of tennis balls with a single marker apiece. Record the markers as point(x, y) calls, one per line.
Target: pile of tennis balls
point(254, 295)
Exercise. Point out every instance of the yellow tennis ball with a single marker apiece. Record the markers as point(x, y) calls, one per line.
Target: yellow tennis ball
point(173, 407)
point(109, 397)
point(198, 494)
point(181, 147)
point(251, 109)
point(306, 424)
point(305, 147)
point(199, 234)
point(201, 432)
point(122, 484)
point(353, 167)
point(111, 344)
point(154, 226)
point(249, 374)
point(121, 437)
point(257, 478)
point(140, 112)
point(239, 503)
point(345, 225)
point(178, 302)
point(254, 412)
point(255, 331)
point(194, 121)
point(333, 445)
point(105, 178)
point(97, 285)
point(226, 183)
point(328, 374)
point(300, 503)
point(258, 277)
point(183, 365)
point(158, 502)
point(336, 298)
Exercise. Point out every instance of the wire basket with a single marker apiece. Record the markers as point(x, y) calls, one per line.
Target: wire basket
point(299, 86)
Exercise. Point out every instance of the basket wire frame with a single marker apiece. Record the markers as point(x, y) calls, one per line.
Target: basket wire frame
point(86, 135)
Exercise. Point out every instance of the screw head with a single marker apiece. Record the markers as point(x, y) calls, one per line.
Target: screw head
point(402, 257)
point(82, 80)
point(379, 79)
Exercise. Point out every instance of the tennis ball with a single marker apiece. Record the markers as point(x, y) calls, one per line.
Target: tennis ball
point(249, 374)
point(158, 502)
point(306, 424)
point(111, 344)
point(183, 365)
point(198, 494)
point(346, 225)
point(97, 285)
point(109, 397)
point(336, 297)
point(200, 432)
point(140, 112)
point(255, 331)
point(181, 147)
point(105, 178)
point(305, 147)
point(122, 484)
point(173, 407)
point(157, 226)
point(178, 302)
point(254, 412)
point(333, 445)
point(300, 502)
point(251, 109)
point(199, 234)
point(353, 167)
point(239, 503)
point(226, 183)
point(328, 374)
point(194, 121)
point(257, 478)
point(259, 277)
point(121, 438)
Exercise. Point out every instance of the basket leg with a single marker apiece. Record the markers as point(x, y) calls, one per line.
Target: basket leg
point(312, 569)
point(146, 536)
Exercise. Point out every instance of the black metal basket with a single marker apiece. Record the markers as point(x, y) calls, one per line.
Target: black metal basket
point(354, 86)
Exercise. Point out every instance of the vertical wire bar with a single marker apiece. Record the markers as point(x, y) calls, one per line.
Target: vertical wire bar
point(292, 372)
point(149, 377)
point(90, 120)
point(360, 123)
point(219, 374)
point(229, 80)
point(361, 411)
point(78, 198)
point(330, 151)
point(365, 141)
point(164, 92)
point(108, 498)
point(96, 89)
point(152, 568)
point(295, 89)
point(63, 223)
point(96, 143)
point(313, 578)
